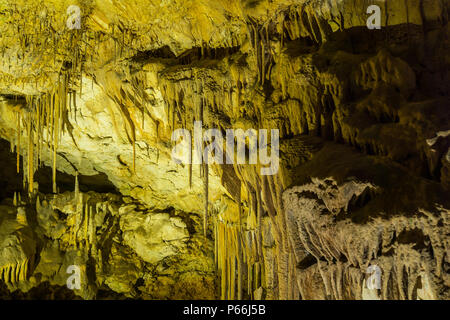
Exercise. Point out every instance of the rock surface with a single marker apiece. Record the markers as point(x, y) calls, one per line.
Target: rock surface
point(88, 115)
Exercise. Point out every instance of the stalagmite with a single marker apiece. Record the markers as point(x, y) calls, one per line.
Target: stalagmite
point(91, 235)
point(38, 204)
point(86, 223)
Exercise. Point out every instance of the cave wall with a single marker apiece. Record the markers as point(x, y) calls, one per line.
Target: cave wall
point(364, 171)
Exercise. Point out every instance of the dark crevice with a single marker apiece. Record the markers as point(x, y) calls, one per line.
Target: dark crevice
point(414, 236)
point(307, 262)
point(187, 57)
point(44, 291)
point(10, 180)
point(65, 182)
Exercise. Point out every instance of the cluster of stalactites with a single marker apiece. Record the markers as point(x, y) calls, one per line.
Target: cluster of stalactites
point(13, 273)
point(343, 254)
point(82, 222)
point(300, 21)
point(188, 99)
point(192, 95)
point(44, 35)
point(41, 124)
point(197, 99)
point(238, 262)
point(66, 50)
point(260, 40)
point(138, 98)
point(83, 231)
point(297, 21)
point(131, 101)
point(238, 252)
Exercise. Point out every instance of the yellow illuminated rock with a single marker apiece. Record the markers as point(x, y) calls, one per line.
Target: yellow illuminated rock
point(87, 177)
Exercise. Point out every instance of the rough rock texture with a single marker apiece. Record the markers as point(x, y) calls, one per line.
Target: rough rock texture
point(364, 171)
point(119, 245)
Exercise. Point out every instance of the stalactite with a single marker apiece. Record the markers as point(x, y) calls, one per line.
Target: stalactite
point(157, 141)
point(13, 273)
point(134, 153)
point(205, 218)
point(46, 111)
point(223, 255)
point(263, 65)
point(250, 280)
point(143, 112)
point(74, 96)
point(24, 270)
point(259, 213)
point(190, 172)
point(239, 244)
point(55, 144)
point(30, 158)
point(216, 243)
point(232, 272)
point(25, 172)
point(19, 120)
point(17, 271)
point(64, 93)
point(191, 152)
point(230, 268)
point(257, 49)
point(81, 78)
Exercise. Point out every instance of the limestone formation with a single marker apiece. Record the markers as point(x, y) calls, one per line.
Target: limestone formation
point(88, 105)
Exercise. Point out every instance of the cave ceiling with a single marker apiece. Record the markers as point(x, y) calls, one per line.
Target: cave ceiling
point(92, 93)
